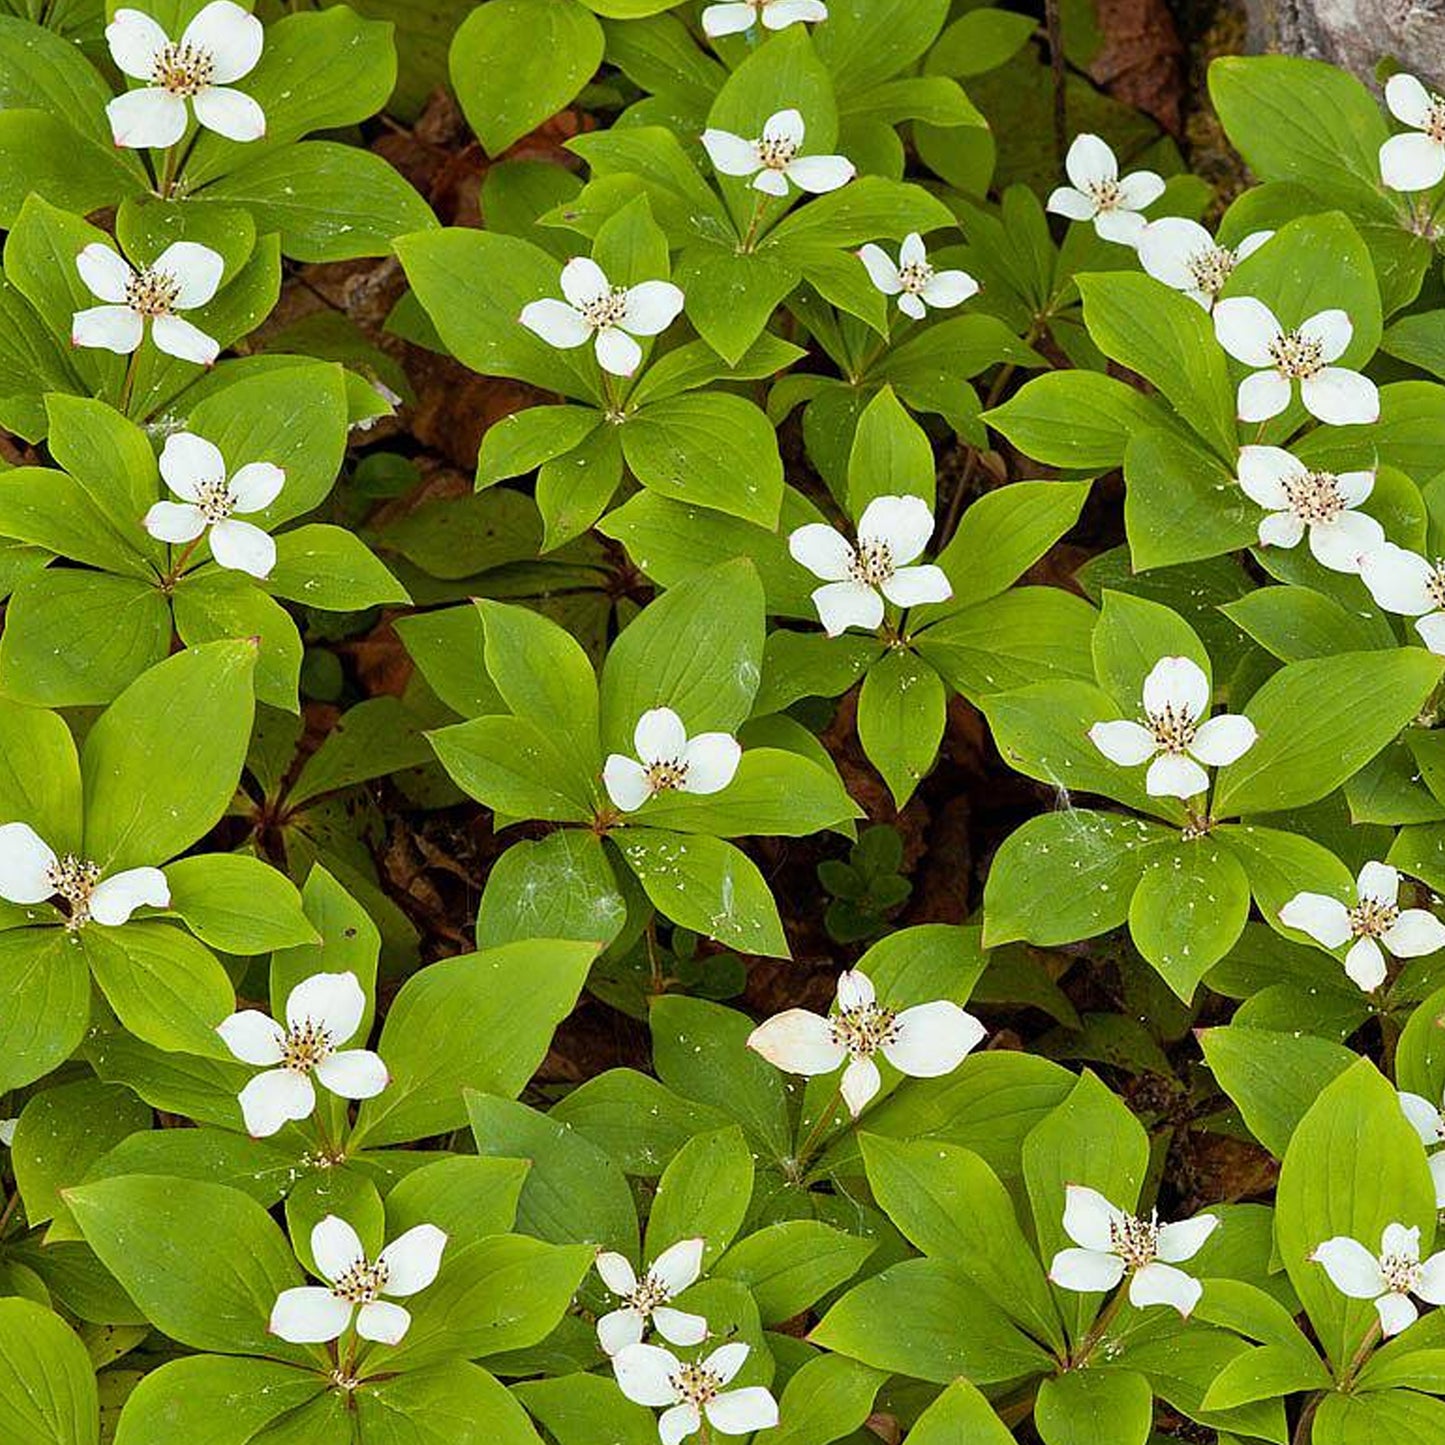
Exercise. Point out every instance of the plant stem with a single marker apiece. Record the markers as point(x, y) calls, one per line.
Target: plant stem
point(815, 1134)
point(178, 566)
point(760, 206)
point(1372, 1337)
point(127, 387)
point(1053, 25)
point(1100, 1328)
point(10, 1206)
point(1301, 1433)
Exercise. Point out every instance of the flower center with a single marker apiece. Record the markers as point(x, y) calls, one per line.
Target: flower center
point(362, 1283)
point(214, 499)
point(1135, 1241)
point(1211, 268)
point(776, 152)
point(1296, 356)
point(695, 1384)
point(915, 276)
point(74, 879)
point(650, 1293)
point(607, 309)
point(1400, 1273)
point(152, 293)
point(865, 1029)
point(1434, 126)
point(183, 69)
point(1370, 918)
point(1106, 195)
point(305, 1047)
point(1435, 584)
point(1315, 496)
point(666, 774)
point(872, 563)
point(1172, 727)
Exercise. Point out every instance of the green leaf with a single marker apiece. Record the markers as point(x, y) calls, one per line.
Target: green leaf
point(333, 569)
point(704, 1191)
point(1132, 636)
point(960, 1412)
point(901, 713)
point(522, 440)
point(46, 993)
point(195, 1395)
point(515, 769)
point(561, 886)
point(47, 1385)
point(1381, 1415)
point(792, 1265)
point(580, 1409)
point(1076, 419)
point(732, 296)
point(374, 738)
point(1297, 622)
point(457, 1403)
point(237, 903)
point(212, 605)
point(825, 1400)
point(1095, 1407)
point(891, 456)
point(44, 155)
point(40, 774)
point(1181, 503)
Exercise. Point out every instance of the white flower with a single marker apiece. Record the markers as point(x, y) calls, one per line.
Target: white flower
point(1404, 582)
point(736, 16)
point(1249, 331)
point(668, 760)
point(220, 45)
point(7, 1131)
point(1100, 195)
point(1376, 919)
point(195, 470)
point(650, 1375)
point(646, 1299)
point(314, 1314)
point(613, 315)
point(1429, 1123)
point(891, 532)
point(322, 1013)
point(1390, 1279)
point(32, 872)
point(1112, 1244)
point(916, 284)
point(773, 160)
point(1176, 696)
point(1182, 254)
point(1414, 162)
point(924, 1042)
point(1298, 498)
point(185, 275)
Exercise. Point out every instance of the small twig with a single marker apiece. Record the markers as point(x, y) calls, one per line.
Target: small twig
point(1054, 28)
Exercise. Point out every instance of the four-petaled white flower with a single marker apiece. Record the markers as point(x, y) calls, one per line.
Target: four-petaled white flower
point(1182, 254)
point(195, 471)
point(1297, 497)
point(610, 315)
point(322, 1013)
point(1389, 1279)
point(31, 872)
point(1376, 922)
point(1405, 582)
point(924, 1041)
point(692, 1389)
point(1429, 1123)
point(646, 1300)
point(891, 532)
point(1414, 162)
point(735, 16)
point(220, 45)
point(185, 275)
point(313, 1314)
point(1250, 332)
point(7, 1131)
point(1172, 740)
point(773, 160)
point(1099, 194)
point(669, 761)
point(913, 281)
point(1112, 1244)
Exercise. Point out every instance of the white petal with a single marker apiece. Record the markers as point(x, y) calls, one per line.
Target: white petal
point(881, 270)
point(1408, 100)
point(1140, 189)
point(785, 126)
point(1262, 473)
point(1166, 247)
point(779, 14)
point(1261, 395)
point(1178, 683)
point(1124, 742)
point(1251, 244)
point(232, 36)
point(1281, 529)
point(117, 897)
point(25, 863)
point(335, 1246)
point(914, 586)
point(678, 1265)
point(1090, 160)
point(1397, 1312)
point(332, 1001)
point(651, 308)
point(149, 117)
point(1412, 162)
point(1355, 487)
point(353, 1073)
point(659, 736)
point(1426, 1120)
point(678, 1423)
point(1086, 1271)
point(902, 524)
point(771, 183)
point(275, 1098)
point(1398, 580)
point(678, 1327)
point(230, 113)
point(1365, 965)
point(189, 462)
point(1325, 919)
point(1332, 329)
point(619, 1328)
point(626, 782)
point(197, 270)
point(557, 323)
point(1171, 775)
point(1089, 1218)
point(1437, 1173)
point(823, 551)
point(617, 353)
point(913, 306)
point(842, 605)
point(1066, 201)
point(174, 521)
point(1414, 934)
point(644, 1374)
point(817, 174)
point(727, 1360)
point(1432, 631)
point(728, 19)
point(1245, 326)
point(177, 337)
point(855, 989)
point(114, 328)
point(1162, 1284)
point(861, 1082)
point(1431, 1287)
point(949, 288)
point(712, 760)
point(1124, 228)
point(1341, 397)
point(1184, 1239)
point(584, 281)
point(309, 1315)
point(911, 250)
point(798, 1042)
point(729, 153)
point(932, 1039)
point(134, 40)
point(1378, 882)
point(1398, 1240)
point(105, 274)
point(739, 1411)
point(256, 485)
point(1223, 739)
point(382, 1321)
point(412, 1261)
point(617, 1272)
point(252, 1037)
point(242, 547)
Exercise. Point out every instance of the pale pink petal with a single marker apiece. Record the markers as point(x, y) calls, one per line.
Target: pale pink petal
point(1086, 1271)
point(413, 1260)
point(242, 547)
point(932, 1039)
point(114, 899)
point(25, 863)
point(1325, 919)
point(309, 1315)
point(252, 1037)
point(798, 1042)
point(353, 1073)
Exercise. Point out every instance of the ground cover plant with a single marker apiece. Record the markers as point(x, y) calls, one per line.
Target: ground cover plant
point(717, 721)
